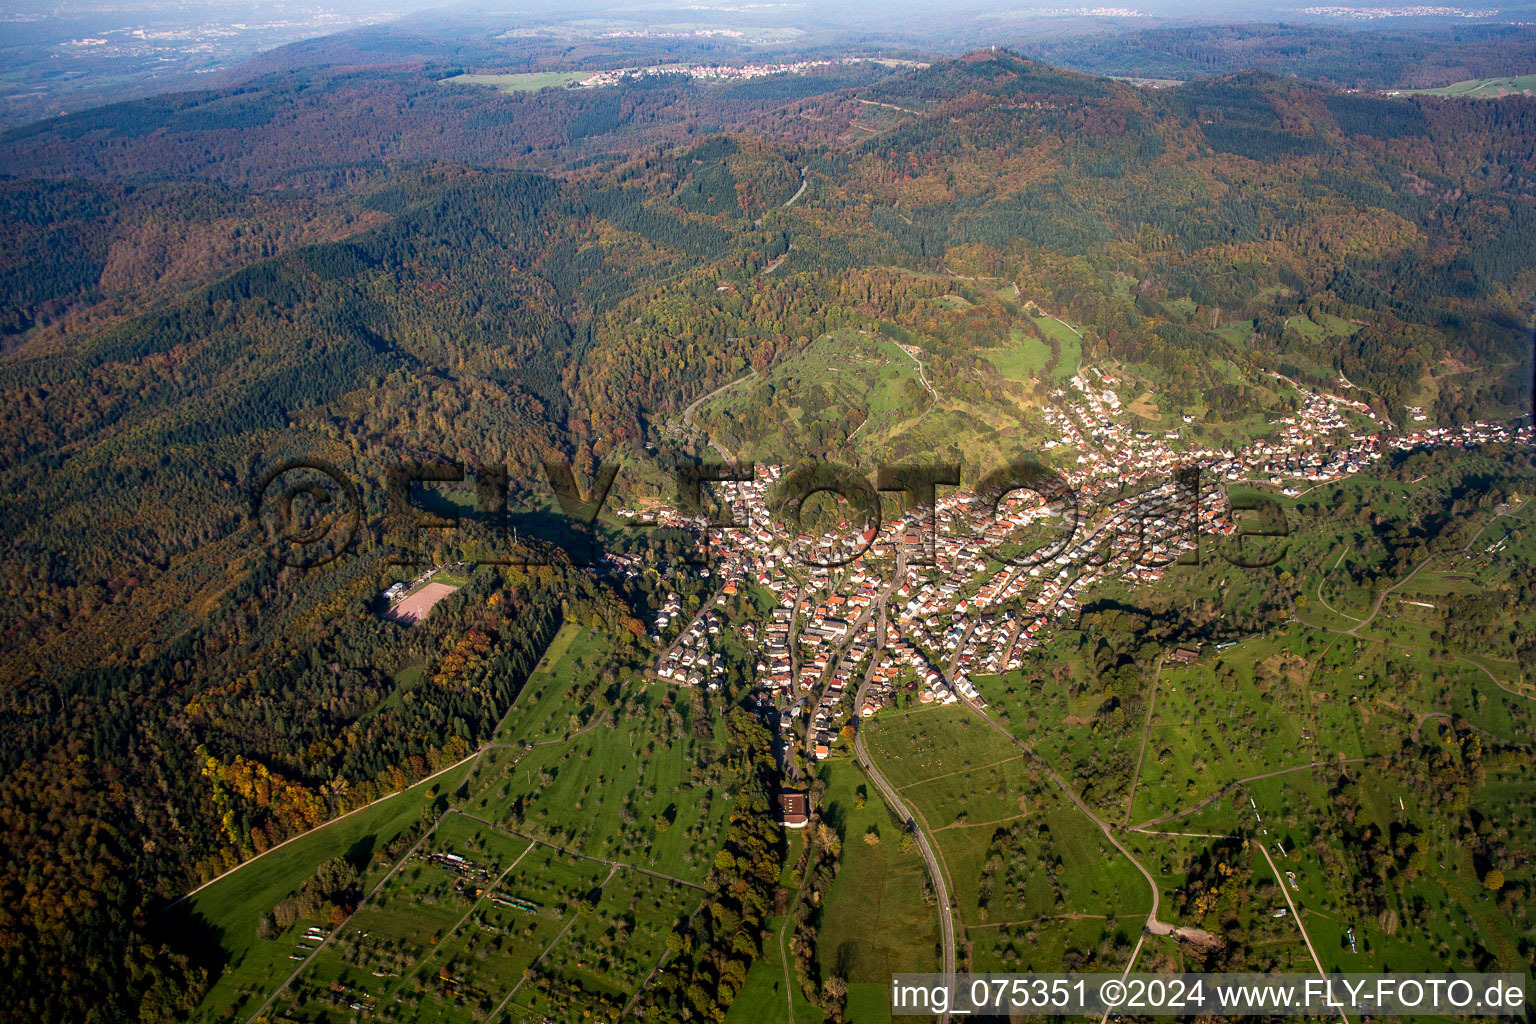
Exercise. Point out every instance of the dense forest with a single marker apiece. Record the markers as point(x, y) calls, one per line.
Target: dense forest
point(1374, 58)
point(370, 267)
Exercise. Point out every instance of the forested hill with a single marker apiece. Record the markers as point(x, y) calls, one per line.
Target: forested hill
point(323, 129)
point(366, 267)
point(1349, 57)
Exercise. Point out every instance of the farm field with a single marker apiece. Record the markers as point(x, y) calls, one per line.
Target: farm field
point(234, 905)
point(419, 940)
point(842, 378)
point(1024, 359)
point(1239, 712)
point(603, 791)
point(243, 316)
point(529, 82)
point(762, 998)
point(766, 996)
point(1433, 916)
point(1018, 850)
point(1484, 88)
point(878, 918)
point(1052, 706)
point(524, 862)
point(552, 704)
point(870, 395)
point(1069, 340)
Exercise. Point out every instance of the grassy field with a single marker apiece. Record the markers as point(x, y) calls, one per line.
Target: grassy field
point(1054, 704)
point(1240, 712)
point(604, 791)
point(1483, 88)
point(1025, 359)
point(865, 396)
point(455, 927)
point(616, 944)
point(1045, 944)
point(234, 904)
point(1439, 915)
point(762, 999)
point(436, 949)
point(531, 82)
point(552, 703)
point(875, 921)
point(1385, 772)
point(995, 818)
point(1071, 345)
point(914, 745)
point(842, 378)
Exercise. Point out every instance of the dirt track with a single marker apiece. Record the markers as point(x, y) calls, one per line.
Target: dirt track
point(415, 608)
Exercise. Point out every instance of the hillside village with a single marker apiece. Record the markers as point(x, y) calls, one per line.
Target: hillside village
point(860, 619)
point(730, 72)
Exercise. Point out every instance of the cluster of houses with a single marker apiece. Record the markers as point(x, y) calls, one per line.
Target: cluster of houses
point(826, 717)
point(1468, 436)
point(880, 690)
point(693, 660)
point(1130, 515)
point(1142, 533)
point(934, 686)
point(774, 665)
point(671, 608)
point(720, 72)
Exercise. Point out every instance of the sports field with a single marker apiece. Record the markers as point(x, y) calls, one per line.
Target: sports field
point(416, 606)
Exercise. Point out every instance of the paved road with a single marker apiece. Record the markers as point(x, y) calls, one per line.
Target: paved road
point(799, 192)
point(940, 889)
point(953, 668)
point(705, 608)
point(693, 406)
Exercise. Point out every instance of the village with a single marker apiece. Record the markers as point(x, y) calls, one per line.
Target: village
point(728, 72)
point(915, 608)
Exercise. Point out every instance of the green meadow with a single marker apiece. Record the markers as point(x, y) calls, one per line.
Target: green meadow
point(876, 921)
point(528, 82)
point(235, 903)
